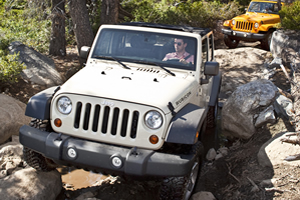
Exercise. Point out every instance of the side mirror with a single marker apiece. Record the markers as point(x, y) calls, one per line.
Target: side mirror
point(211, 68)
point(84, 52)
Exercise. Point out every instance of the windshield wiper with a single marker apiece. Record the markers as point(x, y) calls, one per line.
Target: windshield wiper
point(152, 63)
point(113, 58)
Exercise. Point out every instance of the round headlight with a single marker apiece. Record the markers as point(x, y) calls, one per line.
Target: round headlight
point(233, 22)
point(64, 105)
point(153, 119)
point(256, 25)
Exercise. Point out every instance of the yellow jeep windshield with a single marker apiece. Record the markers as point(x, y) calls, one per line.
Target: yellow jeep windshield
point(263, 7)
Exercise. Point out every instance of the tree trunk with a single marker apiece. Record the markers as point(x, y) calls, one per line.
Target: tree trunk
point(58, 38)
point(109, 11)
point(82, 27)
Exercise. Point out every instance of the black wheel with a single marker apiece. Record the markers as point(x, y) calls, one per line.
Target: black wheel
point(37, 161)
point(265, 43)
point(181, 188)
point(34, 159)
point(173, 60)
point(231, 43)
point(211, 117)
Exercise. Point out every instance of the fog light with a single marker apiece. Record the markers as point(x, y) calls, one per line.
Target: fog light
point(153, 139)
point(117, 162)
point(245, 35)
point(234, 33)
point(72, 153)
point(57, 122)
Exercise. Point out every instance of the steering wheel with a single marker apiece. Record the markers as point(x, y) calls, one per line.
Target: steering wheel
point(173, 60)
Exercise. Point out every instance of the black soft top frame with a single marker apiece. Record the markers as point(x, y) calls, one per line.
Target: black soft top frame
point(200, 31)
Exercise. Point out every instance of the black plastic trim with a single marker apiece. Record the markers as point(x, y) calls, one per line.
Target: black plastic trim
point(39, 105)
point(185, 124)
point(95, 155)
point(216, 86)
point(241, 35)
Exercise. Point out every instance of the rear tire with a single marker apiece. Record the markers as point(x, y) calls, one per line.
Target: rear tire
point(181, 188)
point(231, 43)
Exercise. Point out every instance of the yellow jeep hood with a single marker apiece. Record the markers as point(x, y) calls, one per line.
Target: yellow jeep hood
point(265, 18)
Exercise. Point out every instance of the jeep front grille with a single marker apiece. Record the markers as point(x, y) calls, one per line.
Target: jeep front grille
point(244, 26)
point(106, 120)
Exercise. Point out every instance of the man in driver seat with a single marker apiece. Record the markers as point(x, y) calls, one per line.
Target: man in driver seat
point(180, 53)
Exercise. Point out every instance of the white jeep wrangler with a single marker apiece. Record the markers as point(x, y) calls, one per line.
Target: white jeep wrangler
point(132, 111)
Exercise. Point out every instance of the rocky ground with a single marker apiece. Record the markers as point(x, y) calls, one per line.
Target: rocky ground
point(235, 176)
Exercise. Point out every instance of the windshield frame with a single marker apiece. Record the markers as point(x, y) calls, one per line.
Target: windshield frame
point(262, 5)
point(111, 41)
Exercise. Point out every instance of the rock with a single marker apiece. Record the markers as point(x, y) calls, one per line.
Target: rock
point(86, 195)
point(267, 183)
point(239, 66)
point(223, 151)
point(39, 68)
point(211, 154)
point(283, 39)
point(274, 152)
point(284, 106)
point(247, 100)
point(11, 117)
point(3, 173)
point(203, 195)
point(29, 184)
point(218, 156)
point(266, 116)
point(10, 157)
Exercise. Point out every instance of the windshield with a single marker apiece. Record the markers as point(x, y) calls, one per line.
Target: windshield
point(263, 7)
point(147, 47)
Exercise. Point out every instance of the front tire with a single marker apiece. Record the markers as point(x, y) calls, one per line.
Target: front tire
point(181, 188)
point(34, 159)
point(230, 42)
point(266, 43)
point(37, 161)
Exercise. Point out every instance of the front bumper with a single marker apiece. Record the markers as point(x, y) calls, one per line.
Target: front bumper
point(98, 156)
point(243, 35)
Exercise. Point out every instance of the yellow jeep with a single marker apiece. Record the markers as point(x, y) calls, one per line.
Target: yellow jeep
point(258, 24)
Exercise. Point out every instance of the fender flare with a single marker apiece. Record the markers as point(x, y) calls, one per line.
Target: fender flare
point(215, 90)
point(38, 105)
point(185, 125)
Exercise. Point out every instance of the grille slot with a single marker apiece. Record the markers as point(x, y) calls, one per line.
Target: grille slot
point(106, 120)
point(247, 26)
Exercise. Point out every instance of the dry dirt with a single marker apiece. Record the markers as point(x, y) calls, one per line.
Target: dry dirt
point(232, 177)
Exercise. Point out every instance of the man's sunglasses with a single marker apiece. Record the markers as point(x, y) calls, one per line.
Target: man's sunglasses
point(178, 43)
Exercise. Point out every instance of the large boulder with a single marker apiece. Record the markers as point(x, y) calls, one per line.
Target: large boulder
point(29, 184)
point(11, 117)
point(39, 68)
point(284, 39)
point(19, 181)
point(275, 152)
point(247, 104)
point(239, 66)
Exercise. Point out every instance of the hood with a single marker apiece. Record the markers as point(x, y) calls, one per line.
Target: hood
point(148, 88)
point(259, 17)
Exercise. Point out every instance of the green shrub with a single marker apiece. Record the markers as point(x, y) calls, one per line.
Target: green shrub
point(290, 16)
point(192, 13)
point(23, 24)
point(20, 23)
point(10, 68)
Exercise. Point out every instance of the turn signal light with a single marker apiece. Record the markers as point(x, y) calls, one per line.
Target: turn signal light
point(57, 122)
point(153, 139)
